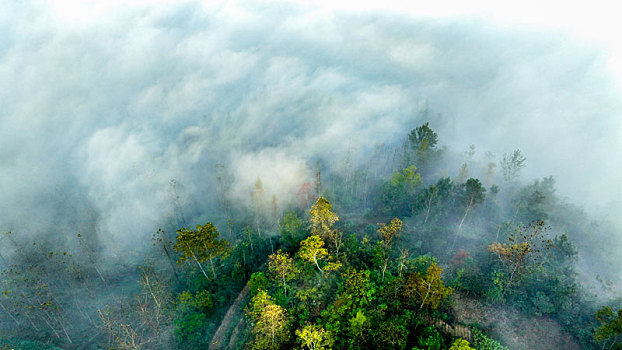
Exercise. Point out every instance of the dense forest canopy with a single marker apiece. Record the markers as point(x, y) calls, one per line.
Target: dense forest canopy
point(191, 176)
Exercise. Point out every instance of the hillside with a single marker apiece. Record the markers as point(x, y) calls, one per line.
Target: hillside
point(362, 257)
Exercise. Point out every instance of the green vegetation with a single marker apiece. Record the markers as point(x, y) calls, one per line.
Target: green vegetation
point(377, 261)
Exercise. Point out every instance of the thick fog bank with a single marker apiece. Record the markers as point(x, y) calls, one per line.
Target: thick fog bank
point(99, 113)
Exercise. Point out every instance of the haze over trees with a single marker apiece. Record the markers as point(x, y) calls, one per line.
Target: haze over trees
point(392, 266)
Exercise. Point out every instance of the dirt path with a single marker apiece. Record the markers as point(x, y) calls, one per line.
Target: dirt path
point(219, 340)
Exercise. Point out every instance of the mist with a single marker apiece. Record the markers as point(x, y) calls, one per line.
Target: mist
point(99, 113)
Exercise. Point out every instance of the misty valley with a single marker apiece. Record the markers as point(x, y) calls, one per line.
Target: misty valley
point(374, 251)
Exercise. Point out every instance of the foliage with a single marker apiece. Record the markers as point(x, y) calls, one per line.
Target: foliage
point(312, 250)
point(469, 195)
point(314, 337)
point(388, 233)
point(521, 255)
point(322, 219)
point(427, 290)
point(512, 164)
point(257, 282)
point(282, 268)
point(395, 196)
point(460, 344)
point(423, 141)
point(482, 342)
point(292, 230)
point(384, 292)
point(201, 245)
point(609, 333)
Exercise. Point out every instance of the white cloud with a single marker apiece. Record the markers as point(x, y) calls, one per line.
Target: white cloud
point(121, 99)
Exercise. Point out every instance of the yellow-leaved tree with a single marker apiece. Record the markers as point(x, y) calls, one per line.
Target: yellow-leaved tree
point(282, 268)
point(314, 337)
point(322, 219)
point(201, 245)
point(428, 290)
point(312, 250)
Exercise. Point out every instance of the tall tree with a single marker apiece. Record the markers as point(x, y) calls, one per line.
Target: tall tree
point(201, 245)
point(322, 219)
point(609, 333)
point(470, 195)
point(524, 251)
point(423, 141)
point(270, 328)
point(314, 337)
point(388, 234)
point(312, 250)
point(259, 206)
point(282, 268)
point(428, 290)
point(512, 165)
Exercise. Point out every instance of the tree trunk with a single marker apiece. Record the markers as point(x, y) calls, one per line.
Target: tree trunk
point(200, 267)
point(317, 265)
point(211, 261)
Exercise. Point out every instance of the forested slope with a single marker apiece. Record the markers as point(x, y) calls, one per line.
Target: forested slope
point(394, 251)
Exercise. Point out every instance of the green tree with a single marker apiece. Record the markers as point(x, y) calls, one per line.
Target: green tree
point(396, 195)
point(434, 202)
point(609, 332)
point(201, 245)
point(470, 195)
point(423, 141)
point(521, 254)
point(423, 138)
point(292, 229)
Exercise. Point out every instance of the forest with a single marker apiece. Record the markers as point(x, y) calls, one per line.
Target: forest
point(389, 250)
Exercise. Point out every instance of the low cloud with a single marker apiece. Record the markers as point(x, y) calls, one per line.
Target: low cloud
point(103, 114)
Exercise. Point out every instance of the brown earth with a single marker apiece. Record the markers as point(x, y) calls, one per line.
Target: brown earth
point(513, 329)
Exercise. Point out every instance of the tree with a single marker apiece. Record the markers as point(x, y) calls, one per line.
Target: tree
point(463, 173)
point(512, 164)
point(314, 337)
point(427, 289)
point(258, 204)
point(271, 328)
point(322, 219)
point(406, 180)
point(282, 267)
point(434, 201)
point(312, 250)
point(423, 138)
point(610, 330)
point(388, 233)
point(521, 253)
point(460, 344)
point(423, 142)
point(395, 197)
point(470, 195)
point(292, 230)
point(201, 245)
point(270, 322)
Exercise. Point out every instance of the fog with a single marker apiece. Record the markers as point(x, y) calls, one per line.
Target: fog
point(99, 113)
